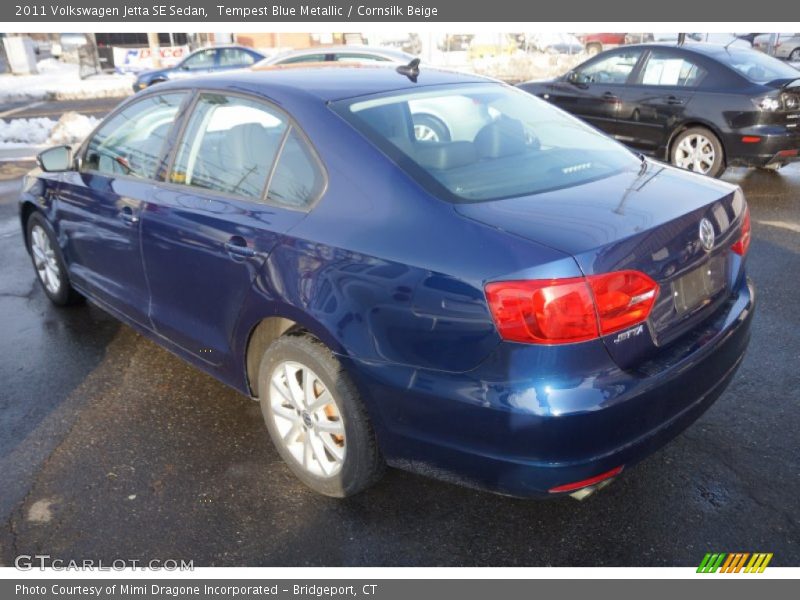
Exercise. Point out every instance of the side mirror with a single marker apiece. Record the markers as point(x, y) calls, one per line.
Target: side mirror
point(58, 158)
point(572, 77)
point(184, 67)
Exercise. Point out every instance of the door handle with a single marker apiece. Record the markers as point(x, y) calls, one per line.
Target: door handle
point(127, 215)
point(674, 100)
point(610, 97)
point(237, 248)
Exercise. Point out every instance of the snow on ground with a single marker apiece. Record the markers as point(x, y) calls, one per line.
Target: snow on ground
point(57, 80)
point(71, 128)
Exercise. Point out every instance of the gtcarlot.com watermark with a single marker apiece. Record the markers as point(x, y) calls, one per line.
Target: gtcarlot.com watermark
point(28, 562)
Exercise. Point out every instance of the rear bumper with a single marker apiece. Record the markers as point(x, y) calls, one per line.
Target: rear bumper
point(776, 145)
point(501, 428)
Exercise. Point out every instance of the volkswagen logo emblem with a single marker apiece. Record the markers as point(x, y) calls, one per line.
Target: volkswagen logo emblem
point(707, 234)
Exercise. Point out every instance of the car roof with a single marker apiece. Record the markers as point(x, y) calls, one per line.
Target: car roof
point(705, 48)
point(324, 81)
point(393, 53)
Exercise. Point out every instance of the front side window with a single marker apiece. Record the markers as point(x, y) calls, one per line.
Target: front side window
point(131, 141)
point(667, 69)
point(204, 59)
point(502, 141)
point(614, 68)
point(305, 58)
point(229, 146)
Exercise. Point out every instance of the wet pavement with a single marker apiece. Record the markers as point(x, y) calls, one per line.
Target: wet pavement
point(110, 447)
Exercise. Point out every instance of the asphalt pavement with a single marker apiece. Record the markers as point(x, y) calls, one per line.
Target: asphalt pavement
point(110, 447)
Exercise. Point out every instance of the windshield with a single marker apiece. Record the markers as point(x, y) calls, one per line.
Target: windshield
point(756, 66)
point(485, 141)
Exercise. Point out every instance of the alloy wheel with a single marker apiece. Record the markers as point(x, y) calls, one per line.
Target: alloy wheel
point(307, 419)
point(695, 153)
point(44, 259)
point(423, 133)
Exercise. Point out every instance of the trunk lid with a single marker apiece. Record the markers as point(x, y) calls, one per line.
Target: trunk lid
point(649, 222)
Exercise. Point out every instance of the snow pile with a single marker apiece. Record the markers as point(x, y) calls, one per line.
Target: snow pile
point(61, 81)
point(30, 132)
point(523, 67)
point(71, 128)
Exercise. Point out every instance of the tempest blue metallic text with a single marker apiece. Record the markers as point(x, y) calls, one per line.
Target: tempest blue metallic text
point(526, 307)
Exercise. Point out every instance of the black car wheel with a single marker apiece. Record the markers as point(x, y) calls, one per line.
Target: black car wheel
point(48, 262)
point(315, 418)
point(698, 149)
point(795, 55)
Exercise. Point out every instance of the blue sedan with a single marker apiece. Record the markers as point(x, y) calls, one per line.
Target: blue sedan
point(527, 307)
point(201, 62)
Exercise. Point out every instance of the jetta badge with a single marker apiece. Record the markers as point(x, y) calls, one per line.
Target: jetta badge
point(707, 234)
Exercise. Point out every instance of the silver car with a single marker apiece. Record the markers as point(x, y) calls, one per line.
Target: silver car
point(787, 45)
point(433, 122)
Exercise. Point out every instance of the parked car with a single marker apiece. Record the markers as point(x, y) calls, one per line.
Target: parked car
point(638, 38)
point(490, 45)
point(724, 39)
point(199, 62)
point(787, 45)
point(430, 118)
point(342, 53)
point(597, 42)
point(700, 106)
point(531, 308)
point(554, 43)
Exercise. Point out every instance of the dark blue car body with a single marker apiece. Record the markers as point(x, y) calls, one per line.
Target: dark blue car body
point(391, 278)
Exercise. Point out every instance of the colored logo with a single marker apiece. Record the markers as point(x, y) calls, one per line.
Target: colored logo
point(735, 562)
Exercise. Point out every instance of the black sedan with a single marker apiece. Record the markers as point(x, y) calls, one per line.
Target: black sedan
point(702, 107)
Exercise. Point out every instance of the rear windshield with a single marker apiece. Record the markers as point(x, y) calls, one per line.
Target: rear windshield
point(485, 141)
point(757, 66)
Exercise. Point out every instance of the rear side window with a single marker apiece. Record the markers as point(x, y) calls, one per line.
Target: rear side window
point(131, 142)
point(297, 181)
point(242, 147)
point(234, 57)
point(667, 69)
point(229, 146)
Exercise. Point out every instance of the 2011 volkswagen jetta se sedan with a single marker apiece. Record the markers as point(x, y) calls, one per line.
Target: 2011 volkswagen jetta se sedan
point(528, 307)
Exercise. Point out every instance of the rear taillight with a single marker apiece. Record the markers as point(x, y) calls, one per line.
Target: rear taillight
point(623, 299)
point(576, 309)
point(743, 243)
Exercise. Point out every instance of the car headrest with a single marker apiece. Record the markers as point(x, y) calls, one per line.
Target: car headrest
point(445, 155)
point(500, 138)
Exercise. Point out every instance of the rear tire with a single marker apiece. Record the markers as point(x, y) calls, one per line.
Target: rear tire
point(316, 419)
point(48, 262)
point(698, 149)
point(428, 128)
point(795, 55)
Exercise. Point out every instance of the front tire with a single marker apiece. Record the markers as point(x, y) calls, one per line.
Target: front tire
point(698, 149)
point(795, 55)
point(316, 419)
point(48, 262)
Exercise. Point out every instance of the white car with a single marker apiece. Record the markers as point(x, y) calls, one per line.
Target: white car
point(787, 45)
